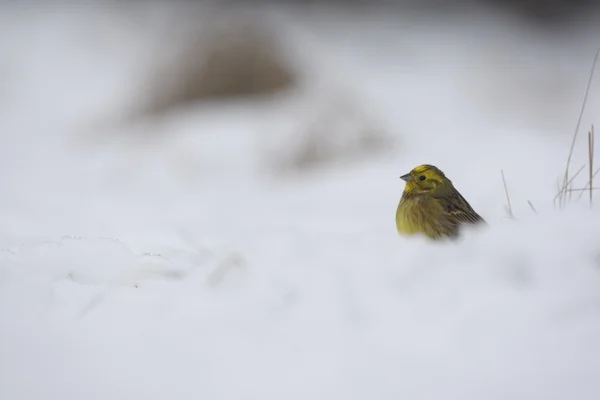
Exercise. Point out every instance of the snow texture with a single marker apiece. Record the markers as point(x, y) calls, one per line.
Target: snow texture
point(173, 259)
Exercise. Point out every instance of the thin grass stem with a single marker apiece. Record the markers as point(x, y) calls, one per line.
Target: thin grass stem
point(585, 97)
point(591, 163)
point(566, 187)
point(587, 184)
point(509, 208)
point(532, 207)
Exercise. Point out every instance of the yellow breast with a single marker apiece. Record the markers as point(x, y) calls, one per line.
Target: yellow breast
point(422, 215)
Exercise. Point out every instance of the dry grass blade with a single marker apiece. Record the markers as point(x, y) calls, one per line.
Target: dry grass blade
point(585, 97)
point(561, 194)
point(591, 162)
point(586, 189)
point(532, 207)
point(562, 201)
point(558, 193)
point(588, 184)
point(509, 206)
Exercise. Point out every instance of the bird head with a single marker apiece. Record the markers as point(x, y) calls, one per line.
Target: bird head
point(426, 179)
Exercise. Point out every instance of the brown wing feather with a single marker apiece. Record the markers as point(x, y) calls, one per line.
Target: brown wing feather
point(459, 210)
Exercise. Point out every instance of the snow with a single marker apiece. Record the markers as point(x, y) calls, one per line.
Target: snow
point(175, 259)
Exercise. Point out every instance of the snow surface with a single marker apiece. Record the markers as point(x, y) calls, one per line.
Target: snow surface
point(172, 259)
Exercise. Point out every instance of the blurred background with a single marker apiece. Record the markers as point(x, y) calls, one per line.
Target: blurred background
point(212, 184)
point(129, 118)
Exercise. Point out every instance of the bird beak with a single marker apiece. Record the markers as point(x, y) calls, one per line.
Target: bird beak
point(406, 178)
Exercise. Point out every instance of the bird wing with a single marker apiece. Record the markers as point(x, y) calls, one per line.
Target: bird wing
point(460, 210)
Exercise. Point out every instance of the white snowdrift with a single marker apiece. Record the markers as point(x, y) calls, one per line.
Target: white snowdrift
point(166, 260)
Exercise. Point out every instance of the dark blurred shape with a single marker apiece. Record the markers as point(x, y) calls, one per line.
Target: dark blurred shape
point(233, 51)
point(334, 128)
point(235, 56)
point(548, 11)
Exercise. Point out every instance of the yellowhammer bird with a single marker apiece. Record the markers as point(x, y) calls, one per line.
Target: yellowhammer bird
point(431, 205)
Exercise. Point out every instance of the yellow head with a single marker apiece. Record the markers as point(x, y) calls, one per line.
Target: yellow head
point(426, 179)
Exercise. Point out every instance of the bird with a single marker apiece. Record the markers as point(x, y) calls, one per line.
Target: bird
point(430, 205)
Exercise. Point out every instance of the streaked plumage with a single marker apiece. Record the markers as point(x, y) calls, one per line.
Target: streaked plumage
point(430, 205)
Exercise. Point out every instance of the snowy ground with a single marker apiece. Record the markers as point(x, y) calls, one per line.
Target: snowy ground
point(171, 259)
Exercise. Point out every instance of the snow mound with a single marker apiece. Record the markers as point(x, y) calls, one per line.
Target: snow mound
point(509, 311)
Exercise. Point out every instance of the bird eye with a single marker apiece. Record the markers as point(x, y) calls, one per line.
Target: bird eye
point(422, 178)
